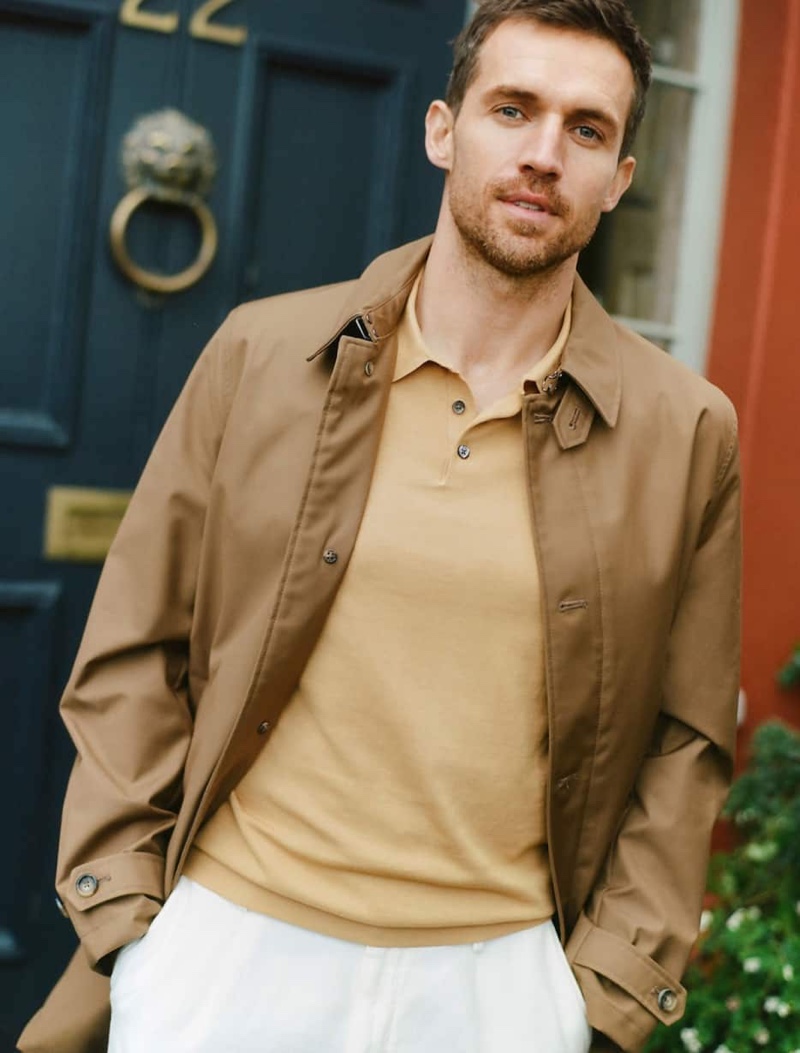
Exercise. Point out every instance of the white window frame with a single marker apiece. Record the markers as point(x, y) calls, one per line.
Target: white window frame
point(706, 177)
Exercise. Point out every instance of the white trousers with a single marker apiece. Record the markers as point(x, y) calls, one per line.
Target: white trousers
point(212, 977)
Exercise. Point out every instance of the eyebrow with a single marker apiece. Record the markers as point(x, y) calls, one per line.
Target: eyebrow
point(586, 113)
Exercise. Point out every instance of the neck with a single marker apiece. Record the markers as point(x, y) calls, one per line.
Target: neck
point(486, 325)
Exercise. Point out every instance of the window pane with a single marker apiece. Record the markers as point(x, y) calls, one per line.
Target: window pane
point(631, 264)
point(672, 28)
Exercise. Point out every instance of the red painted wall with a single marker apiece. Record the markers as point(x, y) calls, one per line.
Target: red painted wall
point(755, 346)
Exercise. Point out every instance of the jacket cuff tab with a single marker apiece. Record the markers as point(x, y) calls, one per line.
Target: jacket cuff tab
point(636, 973)
point(124, 874)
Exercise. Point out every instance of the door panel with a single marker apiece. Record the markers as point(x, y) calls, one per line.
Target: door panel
point(317, 119)
point(323, 136)
point(28, 623)
point(56, 61)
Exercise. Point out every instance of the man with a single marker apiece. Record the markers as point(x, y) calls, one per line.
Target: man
point(417, 649)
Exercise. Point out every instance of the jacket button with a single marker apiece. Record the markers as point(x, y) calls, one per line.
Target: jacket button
point(86, 885)
point(464, 452)
point(369, 368)
point(264, 727)
point(667, 1000)
point(331, 557)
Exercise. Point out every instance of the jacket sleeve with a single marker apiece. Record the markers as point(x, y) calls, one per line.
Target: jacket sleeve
point(631, 943)
point(127, 705)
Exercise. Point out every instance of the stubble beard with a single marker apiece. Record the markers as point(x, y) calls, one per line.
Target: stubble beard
point(517, 251)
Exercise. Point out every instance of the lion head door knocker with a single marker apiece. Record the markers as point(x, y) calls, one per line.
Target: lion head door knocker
point(169, 159)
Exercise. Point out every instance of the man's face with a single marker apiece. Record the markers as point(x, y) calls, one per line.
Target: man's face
point(533, 155)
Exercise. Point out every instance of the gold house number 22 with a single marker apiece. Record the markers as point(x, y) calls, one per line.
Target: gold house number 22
point(200, 26)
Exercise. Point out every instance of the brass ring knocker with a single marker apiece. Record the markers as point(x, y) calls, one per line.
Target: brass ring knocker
point(163, 283)
point(169, 159)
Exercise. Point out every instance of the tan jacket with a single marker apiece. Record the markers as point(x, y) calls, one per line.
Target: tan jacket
point(226, 566)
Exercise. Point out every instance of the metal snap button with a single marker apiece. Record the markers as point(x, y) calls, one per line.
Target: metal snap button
point(86, 885)
point(331, 557)
point(369, 368)
point(667, 1000)
point(264, 727)
point(464, 452)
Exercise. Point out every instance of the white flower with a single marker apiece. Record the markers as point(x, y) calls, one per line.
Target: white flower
point(691, 1040)
point(753, 913)
point(751, 965)
point(723, 1049)
point(762, 1036)
point(705, 920)
point(788, 972)
point(771, 1004)
point(783, 1010)
point(735, 920)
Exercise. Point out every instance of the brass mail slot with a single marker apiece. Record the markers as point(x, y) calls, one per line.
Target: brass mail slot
point(81, 523)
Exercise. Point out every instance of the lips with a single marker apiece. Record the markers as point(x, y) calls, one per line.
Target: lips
point(529, 205)
point(532, 202)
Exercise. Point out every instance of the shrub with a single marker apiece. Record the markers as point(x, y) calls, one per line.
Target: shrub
point(744, 979)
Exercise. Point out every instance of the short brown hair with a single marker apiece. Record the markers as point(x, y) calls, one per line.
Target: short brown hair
point(609, 19)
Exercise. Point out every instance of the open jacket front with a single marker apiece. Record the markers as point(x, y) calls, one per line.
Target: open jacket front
point(217, 587)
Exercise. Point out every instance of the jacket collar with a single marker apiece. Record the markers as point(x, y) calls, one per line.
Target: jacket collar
point(591, 357)
point(377, 299)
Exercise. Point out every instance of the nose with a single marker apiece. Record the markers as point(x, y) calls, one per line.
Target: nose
point(542, 148)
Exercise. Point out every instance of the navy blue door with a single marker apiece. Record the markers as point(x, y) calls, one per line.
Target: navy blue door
point(315, 109)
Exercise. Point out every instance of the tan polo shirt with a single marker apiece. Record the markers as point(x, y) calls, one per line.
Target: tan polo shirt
point(401, 799)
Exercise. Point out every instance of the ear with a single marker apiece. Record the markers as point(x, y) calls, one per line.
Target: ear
point(439, 122)
point(623, 178)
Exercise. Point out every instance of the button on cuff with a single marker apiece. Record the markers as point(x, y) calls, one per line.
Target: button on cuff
point(667, 1000)
point(86, 885)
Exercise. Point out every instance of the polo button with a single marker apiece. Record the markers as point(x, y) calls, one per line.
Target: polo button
point(369, 368)
point(464, 452)
point(459, 407)
point(264, 727)
point(331, 557)
point(667, 1000)
point(86, 885)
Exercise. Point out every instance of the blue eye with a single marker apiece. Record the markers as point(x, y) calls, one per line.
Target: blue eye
point(588, 133)
point(510, 111)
